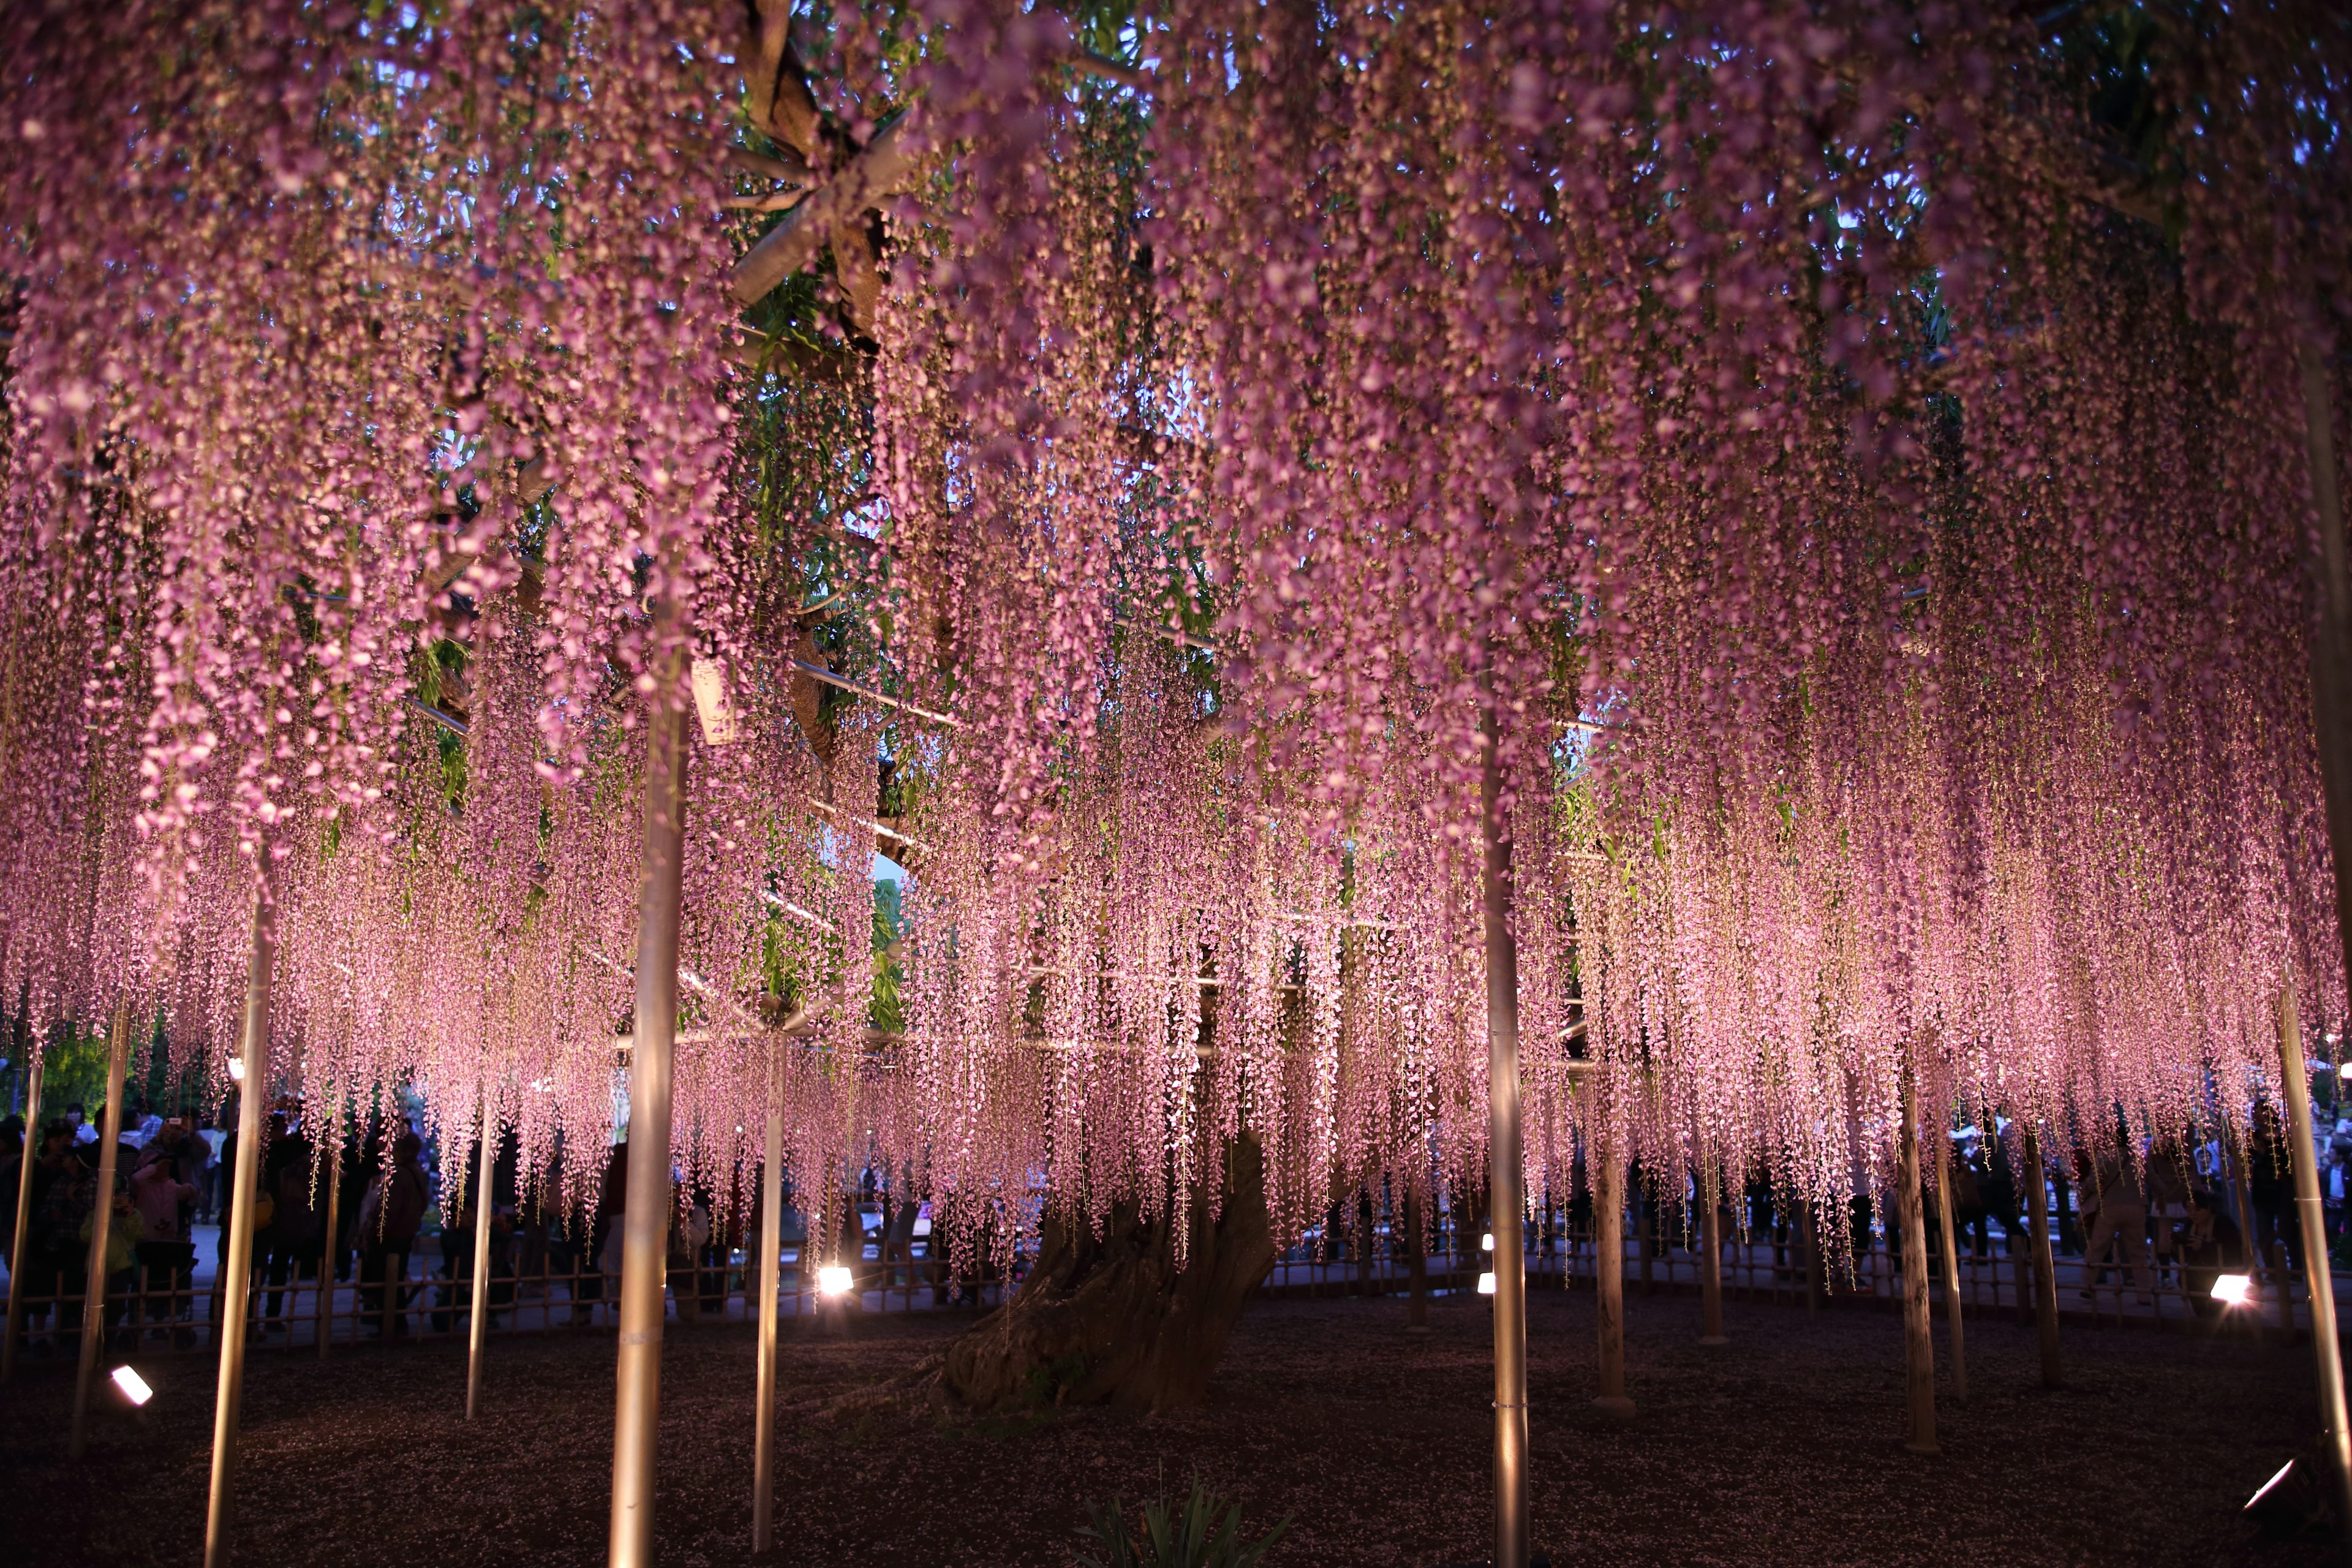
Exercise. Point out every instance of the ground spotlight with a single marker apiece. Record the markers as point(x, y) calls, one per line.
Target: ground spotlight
point(2236, 1291)
point(2293, 1502)
point(832, 1279)
point(1486, 1283)
point(133, 1386)
point(237, 1069)
point(1488, 1241)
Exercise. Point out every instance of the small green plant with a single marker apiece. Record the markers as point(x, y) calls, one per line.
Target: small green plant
point(1192, 1538)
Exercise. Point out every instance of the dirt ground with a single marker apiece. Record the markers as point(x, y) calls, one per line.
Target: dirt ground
point(1783, 1447)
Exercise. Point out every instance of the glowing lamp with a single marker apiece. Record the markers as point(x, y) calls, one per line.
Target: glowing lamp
point(1486, 1283)
point(135, 1387)
point(1488, 1241)
point(832, 1279)
point(2235, 1291)
point(237, 1069)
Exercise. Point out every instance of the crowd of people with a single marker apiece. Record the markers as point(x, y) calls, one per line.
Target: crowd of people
point(2136, 1212)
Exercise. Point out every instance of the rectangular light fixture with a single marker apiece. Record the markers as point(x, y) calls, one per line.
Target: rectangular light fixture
point(135, 1387)
point(832, 1279)
point(2233, 1290)
point(1488, 1241)
point(1486, 1283)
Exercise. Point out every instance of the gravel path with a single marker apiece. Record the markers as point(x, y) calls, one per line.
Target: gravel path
point(1784, 1447)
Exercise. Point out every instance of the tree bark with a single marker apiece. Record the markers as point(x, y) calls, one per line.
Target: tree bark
point(1112, 1318)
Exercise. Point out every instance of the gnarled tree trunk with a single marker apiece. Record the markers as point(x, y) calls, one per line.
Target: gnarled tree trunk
point(1111, 1319)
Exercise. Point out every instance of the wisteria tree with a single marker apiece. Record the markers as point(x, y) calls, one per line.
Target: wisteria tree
point(1847, 478)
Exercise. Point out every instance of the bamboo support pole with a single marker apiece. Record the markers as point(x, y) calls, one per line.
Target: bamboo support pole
point(1505, 1174)
point(24, 1212)
point(1808, 1247)
point(1416, 1311)
point(478, 1326)
point(645, 1220)
point(2045, 1270)
point(1951, 1266)
point(1608, 1250)
point(102, 1224)
point(771, 1277)
point(330, 1250)
point(1710, 1268)
point(1919, 1335)
point(2296, 1085)
point(237, 1267)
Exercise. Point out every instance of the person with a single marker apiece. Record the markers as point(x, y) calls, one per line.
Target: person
point(2115, 1204)
point(2210, 1245)
point(62, 1204)
point(165, 1256)
point(388, 1220)
point(140, 1124)
point(208, 1173)
point(13, 1166)
point(124, 1230)
point(604, 1236)
point(83, 1132)
point(2270, 1194)
point(291, 1236)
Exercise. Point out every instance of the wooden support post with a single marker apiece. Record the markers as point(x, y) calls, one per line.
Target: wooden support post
point(331, 1253)
point(1809, 1254)
point(644, 1233)
point(16, 1260)
point(2296, 1087)
point(1608, 1260)
point(236, 1265)
point(101, 1223)
point(1416, 1311)
point(478, 1317)
point(2046, 1271)
point(772, 1274)
point(1951, 1264)
point(1506, 1174)
point(1918, 1336)
point(1710, 1270)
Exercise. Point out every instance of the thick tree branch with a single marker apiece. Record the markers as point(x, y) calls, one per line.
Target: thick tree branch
point(794, 244)
point(781, 104)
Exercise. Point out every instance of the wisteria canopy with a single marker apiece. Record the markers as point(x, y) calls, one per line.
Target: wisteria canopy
point(1853, 456)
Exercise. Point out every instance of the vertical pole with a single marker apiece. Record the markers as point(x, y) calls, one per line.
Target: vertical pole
point(2296, 1087)
point(1951, 1266)
point(478, 1328)
point(2242, 1175)
point(1416, 1311)
point(1808, 1245)
point(331, 1253)
point(1507, 1204)
point(771, 1277)
point(1918, 1337)
point(644, 1226)
point(236, 1268)
point(101, 1222)
point(2045, 1273)
point(24, 1211)
point(1608, 1266)
point(1710, 1270)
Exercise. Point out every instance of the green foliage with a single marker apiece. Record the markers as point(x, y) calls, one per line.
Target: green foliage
point(1195, 1538)
point(74, 1068)
point(885, 1013)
